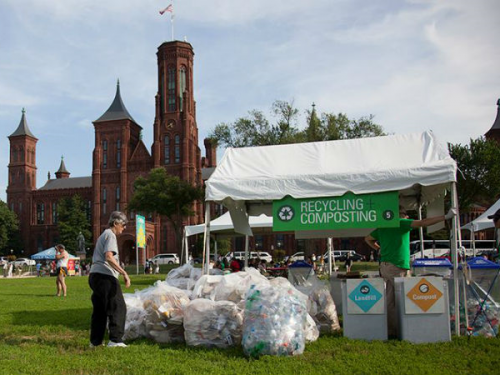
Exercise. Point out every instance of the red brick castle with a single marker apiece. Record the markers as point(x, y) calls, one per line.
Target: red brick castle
point(119, 157)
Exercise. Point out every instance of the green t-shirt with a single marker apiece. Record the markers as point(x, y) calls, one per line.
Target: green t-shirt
point(395, 243)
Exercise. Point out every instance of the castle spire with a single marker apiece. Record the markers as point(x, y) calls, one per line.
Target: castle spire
point(62, 172)
point(23, 128)
point(116, 110)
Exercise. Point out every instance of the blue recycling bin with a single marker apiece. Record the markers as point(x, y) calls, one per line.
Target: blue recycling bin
point(432, 266)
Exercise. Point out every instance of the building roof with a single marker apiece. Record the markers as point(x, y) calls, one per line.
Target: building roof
point(62, 167)
point(68, 183)
point(116, 110)
point(496, 124)
point(23, 128)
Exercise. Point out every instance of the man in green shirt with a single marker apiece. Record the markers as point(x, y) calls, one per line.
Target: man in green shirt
point(394, 246)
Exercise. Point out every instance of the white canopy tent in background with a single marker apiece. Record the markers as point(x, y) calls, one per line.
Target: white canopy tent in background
point(482, 222)
point(223, 227)
point(247, 180)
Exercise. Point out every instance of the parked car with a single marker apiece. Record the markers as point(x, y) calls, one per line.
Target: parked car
point(166, 258)
point(23, 262)
point(253, 255)
point(264, 255)
point(297, 256)
point(340, 255)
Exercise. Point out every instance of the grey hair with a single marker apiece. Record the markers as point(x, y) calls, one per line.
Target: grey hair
point(117, 217)
point(60, 246)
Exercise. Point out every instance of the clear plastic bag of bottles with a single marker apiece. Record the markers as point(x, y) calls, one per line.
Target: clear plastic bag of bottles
point(275, 318)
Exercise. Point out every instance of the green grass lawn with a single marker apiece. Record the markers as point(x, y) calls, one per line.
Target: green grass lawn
point(43, 334)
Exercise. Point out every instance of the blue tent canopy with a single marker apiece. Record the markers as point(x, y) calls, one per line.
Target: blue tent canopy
point(49, 254)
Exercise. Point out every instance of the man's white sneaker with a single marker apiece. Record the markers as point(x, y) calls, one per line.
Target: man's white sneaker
point(112, 344)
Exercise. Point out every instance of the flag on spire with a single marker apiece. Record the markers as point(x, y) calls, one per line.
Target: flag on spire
point(170, 9)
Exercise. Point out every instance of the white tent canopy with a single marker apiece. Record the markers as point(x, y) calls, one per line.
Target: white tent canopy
point(247, 180)
point(482, 222)
point(416, 165)
point(223, 225)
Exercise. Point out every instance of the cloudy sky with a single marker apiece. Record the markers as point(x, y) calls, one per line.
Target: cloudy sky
point(415, 65)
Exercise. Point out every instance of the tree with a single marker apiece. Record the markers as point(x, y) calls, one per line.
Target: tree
point(256, 130)
point(479, 172)
point(71, 220)
point(165, 195)
point(9, 229)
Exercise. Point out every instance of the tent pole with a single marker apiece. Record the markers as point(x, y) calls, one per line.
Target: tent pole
point(186, 248)
point(421, 232)
point(215, 247)
point(206, 239)
point(330, 258)
point(473, 240)
point(137, 257)
point(454, 251)
point(246, 251)
point(182, 243)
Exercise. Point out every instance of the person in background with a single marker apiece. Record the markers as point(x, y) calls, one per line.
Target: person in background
point(235, 265)
point(348, 263)
point(62, 257)
point(394, 246)
point(109, 307)
point(157, 268)
point(38, 269)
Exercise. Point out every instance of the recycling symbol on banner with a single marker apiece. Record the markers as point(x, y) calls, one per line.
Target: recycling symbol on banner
point(286, 213)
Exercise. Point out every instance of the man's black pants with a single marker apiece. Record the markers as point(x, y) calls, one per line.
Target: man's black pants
point(108, 302)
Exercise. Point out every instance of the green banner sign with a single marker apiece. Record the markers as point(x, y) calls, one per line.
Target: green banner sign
point(379, 210)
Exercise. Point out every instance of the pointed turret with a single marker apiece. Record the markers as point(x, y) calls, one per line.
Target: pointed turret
point(23, 128)
point(62, 172)
point(116, 110)
point(494, 132)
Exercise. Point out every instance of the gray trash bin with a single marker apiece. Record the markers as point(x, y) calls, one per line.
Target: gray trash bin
point(364, 309)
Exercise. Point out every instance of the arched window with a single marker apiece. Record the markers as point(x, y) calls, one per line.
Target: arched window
point(167, 149)
point(54, 213)
point(162, 94)
point(182, 85)
point(40, 213)
point(21, 153)
point(14, 154)
point(104, 154)
point(33, 156)
point(177, 149)
point(118, 154)
point(118, 198)
point(171, 88)
point(104, 200)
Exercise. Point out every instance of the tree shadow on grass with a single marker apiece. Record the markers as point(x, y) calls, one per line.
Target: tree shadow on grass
point(74, 319)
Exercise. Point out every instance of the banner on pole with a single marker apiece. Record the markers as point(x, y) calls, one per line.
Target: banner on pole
point(140, 231)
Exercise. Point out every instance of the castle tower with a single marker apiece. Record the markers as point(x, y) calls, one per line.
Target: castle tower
point(175, 144)
point(62, 172)
point(117, 135)
point(494, 132)
point(22, 173)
